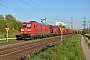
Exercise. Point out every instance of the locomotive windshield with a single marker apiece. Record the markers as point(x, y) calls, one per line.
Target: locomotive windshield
point(26, 25)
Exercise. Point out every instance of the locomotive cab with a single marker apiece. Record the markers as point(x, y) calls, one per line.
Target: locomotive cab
point(27, 29)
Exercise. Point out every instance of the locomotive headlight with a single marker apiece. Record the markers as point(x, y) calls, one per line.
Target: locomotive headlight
point(22, 29)
point(29, 29)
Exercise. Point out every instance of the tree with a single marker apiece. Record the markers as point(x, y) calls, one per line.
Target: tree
point(2, 23)
point(12, 23)
point(86, 31)
point(9, 22)
point(1, 18)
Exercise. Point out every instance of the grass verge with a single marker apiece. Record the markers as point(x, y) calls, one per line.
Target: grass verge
point(69, 49)
point(3, 35)
point(1, 41)
point(87, 42)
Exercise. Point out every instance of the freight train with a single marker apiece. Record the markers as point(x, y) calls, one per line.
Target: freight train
point(34, 30)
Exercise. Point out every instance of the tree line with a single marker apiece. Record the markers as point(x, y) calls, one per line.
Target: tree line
point(10, 22)
point(86, 31)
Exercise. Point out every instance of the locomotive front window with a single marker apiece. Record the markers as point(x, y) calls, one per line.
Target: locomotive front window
point(26, 25)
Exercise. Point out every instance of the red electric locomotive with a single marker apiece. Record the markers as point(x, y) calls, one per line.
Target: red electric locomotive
point(33, 29)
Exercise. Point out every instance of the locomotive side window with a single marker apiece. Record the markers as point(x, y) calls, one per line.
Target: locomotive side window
point(26, 25)
point(34, 26)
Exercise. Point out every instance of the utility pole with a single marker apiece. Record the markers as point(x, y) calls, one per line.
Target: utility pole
point(43, 20)
point(89, 24)
point(84, 23)
point(71, 22)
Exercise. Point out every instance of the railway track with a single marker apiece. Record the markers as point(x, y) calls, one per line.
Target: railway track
point(18, 51)
point(6, 43)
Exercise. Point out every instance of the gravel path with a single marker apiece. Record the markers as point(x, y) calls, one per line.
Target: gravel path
point(86, 49)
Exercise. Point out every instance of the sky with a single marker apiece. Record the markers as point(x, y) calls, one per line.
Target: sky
point(53, 10)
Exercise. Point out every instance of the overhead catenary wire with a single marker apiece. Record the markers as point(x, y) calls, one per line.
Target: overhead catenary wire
point(46, 11)
point(25, 9)
point(42, 8)
point(20, 8)
point(16, 9)
point(13, 9)
point(15, 6)
point(32, 6)
point(38, 5)
point(35, 8)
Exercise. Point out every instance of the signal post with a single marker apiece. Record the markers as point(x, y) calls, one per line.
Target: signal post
point(61, 29)
point(7, 33)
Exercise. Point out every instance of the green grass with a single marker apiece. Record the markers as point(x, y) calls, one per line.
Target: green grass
point(6, 41)
point(69, 49)
point(87, 34)
point(3, 35)
point(88, 43)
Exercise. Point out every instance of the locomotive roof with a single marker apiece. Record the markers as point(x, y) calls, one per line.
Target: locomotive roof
point(41, 24)
point(36, 23)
